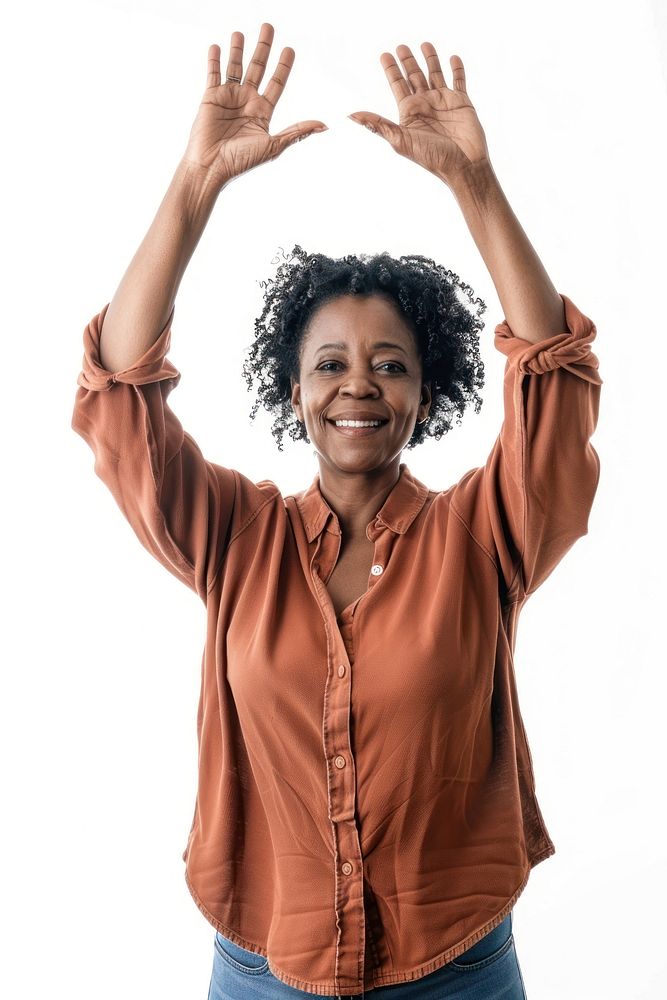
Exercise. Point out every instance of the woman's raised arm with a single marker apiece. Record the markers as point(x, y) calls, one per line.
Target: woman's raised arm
point(230, 136)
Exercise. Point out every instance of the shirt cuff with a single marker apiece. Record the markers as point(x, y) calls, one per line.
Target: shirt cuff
point(152, 366)
point(569, 350)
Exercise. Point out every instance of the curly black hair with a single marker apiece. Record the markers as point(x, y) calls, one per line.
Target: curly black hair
point(426, 293)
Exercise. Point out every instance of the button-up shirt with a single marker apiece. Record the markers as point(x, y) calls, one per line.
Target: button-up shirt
point(366, 806)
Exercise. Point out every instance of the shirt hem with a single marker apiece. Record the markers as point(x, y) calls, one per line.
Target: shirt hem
point(226, 931)
point(389, 978)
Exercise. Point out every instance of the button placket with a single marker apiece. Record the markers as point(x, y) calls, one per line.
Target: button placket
point(341, 779)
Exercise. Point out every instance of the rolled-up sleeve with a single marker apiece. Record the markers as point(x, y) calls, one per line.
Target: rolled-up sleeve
point(183, 508)
point(532, 498)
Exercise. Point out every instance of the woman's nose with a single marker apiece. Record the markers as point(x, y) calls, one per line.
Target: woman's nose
point(359, 383)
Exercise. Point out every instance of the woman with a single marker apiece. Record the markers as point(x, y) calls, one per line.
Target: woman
point(366, 814)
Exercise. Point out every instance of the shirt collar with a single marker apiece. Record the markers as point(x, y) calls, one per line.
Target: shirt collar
point(398, 511)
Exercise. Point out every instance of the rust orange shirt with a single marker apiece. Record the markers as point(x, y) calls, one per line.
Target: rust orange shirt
point(366, 805)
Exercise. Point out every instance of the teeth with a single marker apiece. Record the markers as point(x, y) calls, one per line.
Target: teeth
point(357, 423)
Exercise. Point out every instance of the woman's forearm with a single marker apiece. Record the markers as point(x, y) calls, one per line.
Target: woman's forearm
point(531, 304)
point(144, 298)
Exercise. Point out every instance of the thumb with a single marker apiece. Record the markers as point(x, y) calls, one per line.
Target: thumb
point(294, 133)
point(376, 123)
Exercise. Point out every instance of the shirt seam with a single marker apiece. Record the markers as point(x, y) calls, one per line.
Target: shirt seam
point(149, 439)
point(508, 603)
point(240, 531)
point(524, 498)
point(524, 494)
point(483, 547)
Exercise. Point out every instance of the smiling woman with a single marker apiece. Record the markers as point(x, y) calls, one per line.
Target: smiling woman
point(432, 335)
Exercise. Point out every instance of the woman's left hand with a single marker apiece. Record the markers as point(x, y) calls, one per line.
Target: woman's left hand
point(438, 127)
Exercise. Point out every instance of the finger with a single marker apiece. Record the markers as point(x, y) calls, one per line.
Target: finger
point(412, 69)
point(213, 77)
point(235, 64)
point(399, 85)
point(277, 82)
point(376, 123)
point(435, 74)
point(257, 65)
point(459, 73)
point(295, 133)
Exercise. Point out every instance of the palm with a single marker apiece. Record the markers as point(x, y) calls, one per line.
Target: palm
point(440, 129)
point(231, 131)
point(438, 126)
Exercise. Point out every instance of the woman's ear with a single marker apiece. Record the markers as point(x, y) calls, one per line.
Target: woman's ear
point(296, 398)
point(424, 403)
point(426, 394)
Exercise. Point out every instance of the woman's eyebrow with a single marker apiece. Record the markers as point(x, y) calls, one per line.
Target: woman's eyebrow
point(380, 343)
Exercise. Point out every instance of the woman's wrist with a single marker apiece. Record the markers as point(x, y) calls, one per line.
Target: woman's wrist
point(198, 188)
point(474, 184)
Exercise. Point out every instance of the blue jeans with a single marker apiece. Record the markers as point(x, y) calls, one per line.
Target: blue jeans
point(489, 970)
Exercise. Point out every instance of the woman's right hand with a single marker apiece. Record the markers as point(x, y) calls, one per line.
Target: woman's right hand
point(230, 134)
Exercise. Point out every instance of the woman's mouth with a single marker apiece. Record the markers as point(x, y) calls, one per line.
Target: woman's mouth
point(353, 431)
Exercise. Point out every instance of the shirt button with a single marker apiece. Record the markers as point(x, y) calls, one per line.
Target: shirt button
point(346, 868)
point(339, 762)
point(341, 670)
point(377, 569)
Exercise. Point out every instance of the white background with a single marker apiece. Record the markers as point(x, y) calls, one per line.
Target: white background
point(102, 647)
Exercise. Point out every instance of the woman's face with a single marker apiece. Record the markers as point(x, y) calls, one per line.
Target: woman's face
point(359, 360)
